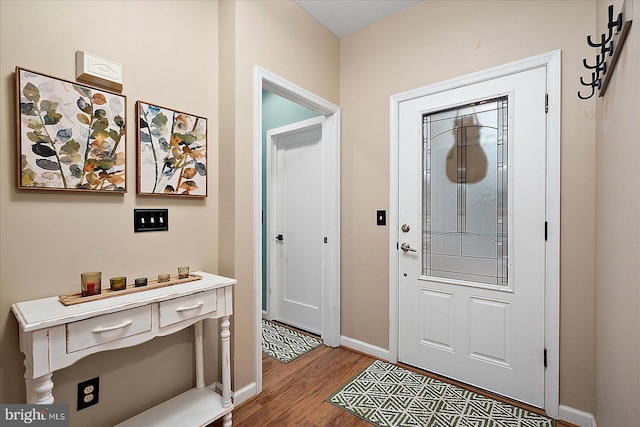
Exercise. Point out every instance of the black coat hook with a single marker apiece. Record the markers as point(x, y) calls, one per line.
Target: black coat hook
point(607, 45)
point(596, 82)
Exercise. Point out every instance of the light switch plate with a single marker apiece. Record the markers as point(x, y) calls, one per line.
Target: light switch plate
point(150, 220)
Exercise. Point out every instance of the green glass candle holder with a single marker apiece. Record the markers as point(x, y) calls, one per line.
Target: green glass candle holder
point(118, 283)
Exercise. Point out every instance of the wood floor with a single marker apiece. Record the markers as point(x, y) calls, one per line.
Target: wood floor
point(293, 394)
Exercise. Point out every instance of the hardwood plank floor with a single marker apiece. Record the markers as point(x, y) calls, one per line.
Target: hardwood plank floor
point(294, 393)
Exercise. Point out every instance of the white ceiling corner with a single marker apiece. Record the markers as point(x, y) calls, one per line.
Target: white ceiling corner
point(344, 17)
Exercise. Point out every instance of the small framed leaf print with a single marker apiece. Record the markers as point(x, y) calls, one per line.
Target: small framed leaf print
point(172, 152)
point(70, 136)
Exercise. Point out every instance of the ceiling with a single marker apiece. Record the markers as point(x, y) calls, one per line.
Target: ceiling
point(344, 17)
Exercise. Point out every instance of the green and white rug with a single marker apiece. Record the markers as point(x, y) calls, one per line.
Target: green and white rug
point(284, 344)
point(386, 395)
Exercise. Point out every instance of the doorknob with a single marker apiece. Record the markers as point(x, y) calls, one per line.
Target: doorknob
point(280, 237)
point(405, 228)
point(405, 247)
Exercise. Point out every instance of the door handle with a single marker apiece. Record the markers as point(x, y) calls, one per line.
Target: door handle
point(112, 328)
point(193, 307)
point(280, 237)
point(407, 248)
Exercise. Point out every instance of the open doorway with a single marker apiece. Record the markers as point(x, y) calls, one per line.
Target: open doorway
point(329, 115)
point(279, 118)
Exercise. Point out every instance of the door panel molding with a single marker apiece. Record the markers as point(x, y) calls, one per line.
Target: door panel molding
point(551, 61)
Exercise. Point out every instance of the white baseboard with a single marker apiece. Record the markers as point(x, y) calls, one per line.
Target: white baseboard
point(577, 417)
point(238, 396)
point(245, 393)
point(363, 347)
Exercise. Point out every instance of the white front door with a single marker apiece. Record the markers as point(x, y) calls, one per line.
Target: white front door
point(472, 198)
point(296, 229)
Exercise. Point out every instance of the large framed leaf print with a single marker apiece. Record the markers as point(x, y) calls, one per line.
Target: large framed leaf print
point(172, 152)
point(70, 136)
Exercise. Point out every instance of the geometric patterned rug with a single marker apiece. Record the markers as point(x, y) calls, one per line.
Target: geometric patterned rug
point(284, 344)
point(387, 395)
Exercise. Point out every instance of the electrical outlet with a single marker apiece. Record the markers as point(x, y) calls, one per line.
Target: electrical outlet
point(88, 393)
point(150, 220)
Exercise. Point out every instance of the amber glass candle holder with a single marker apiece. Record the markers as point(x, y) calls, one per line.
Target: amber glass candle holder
point(91, 283)
point(183, 272)
point(118, 283)
point(163, 277)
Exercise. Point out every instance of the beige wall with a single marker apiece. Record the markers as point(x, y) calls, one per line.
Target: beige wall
point(618, 236)
point(281, 37)
point(169, 53)
point(434, 41)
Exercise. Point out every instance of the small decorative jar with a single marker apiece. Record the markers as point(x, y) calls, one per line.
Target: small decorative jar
point(183, 272)
point(118, 283)
point(91, 283)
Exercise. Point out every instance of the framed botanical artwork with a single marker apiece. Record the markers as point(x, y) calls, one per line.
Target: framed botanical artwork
point(172, 152)
point(70, 136)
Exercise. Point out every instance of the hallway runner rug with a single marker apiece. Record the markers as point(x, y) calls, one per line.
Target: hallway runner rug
point(284, 344)
point(386, 395)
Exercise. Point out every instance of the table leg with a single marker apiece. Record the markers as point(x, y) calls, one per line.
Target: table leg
point(199, 355)
point(39, 390)
point(225, 337)
point(226, 420)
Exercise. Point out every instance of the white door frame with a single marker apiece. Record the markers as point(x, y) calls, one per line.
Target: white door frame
point(551, 61)
point(273, 135)
point(264, 79)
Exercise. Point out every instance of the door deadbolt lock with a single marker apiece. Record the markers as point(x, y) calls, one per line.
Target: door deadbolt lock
point(279, 237)
point(405, 228)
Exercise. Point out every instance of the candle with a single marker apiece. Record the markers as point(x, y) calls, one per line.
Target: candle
point(163, 277)
point(91, 283)
point(141, 281)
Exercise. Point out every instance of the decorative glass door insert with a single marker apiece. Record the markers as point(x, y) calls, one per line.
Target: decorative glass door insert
point(465, 193)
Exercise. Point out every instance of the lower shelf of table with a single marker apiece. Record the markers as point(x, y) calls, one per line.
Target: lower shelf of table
point(195, 407)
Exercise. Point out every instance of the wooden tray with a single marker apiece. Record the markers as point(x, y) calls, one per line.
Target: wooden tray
point(108, 293)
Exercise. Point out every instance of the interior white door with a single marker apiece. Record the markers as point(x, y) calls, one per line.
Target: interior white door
point(472, 197)
point(296, 277)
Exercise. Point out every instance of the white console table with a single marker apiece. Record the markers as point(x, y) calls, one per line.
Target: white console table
point(54, 336)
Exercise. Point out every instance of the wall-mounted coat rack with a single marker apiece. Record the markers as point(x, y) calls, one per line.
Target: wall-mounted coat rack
point(609, 47)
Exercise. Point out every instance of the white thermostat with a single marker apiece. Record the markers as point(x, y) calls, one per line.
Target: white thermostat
point(98, 71)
